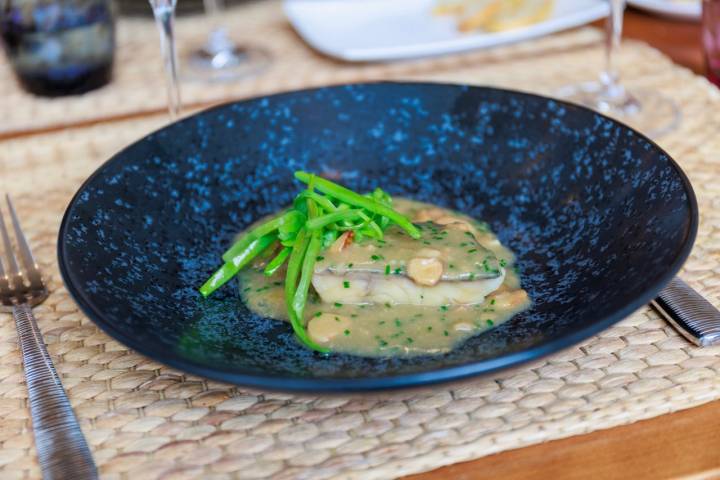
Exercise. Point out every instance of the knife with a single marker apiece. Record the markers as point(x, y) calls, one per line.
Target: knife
point(689, 312)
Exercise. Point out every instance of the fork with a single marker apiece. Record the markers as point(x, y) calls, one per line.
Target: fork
point(62, 450)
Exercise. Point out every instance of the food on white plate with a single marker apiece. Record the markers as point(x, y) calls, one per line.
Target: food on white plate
point(495, 15)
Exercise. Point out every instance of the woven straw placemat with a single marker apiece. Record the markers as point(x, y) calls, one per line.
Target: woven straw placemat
point(147, 421)
point(139, 85)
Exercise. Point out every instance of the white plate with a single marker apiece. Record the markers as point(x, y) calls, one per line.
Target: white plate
point(371, 30)
point(685, 10)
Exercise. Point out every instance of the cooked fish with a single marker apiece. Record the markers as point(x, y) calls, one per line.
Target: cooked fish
point(446, 266)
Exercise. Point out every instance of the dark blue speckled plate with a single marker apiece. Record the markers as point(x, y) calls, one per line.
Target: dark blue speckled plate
point(600, 217)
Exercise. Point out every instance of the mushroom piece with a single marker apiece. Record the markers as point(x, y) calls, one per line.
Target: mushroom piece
point(425, 271)
point(510, 299)
point(463, 227)
point(454, 222)
point(325, 327)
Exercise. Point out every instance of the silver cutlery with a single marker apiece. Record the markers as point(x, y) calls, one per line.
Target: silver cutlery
point(689, 312)
point(62, 450)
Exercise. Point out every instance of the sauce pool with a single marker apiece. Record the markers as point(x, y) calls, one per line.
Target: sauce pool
point(387, 329)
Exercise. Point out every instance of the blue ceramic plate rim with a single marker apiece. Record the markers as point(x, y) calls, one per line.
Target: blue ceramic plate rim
point(442, 375)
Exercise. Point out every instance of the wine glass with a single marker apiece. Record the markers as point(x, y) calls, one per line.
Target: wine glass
point(711, 39)
point(164, 13)
point(220, 58)
point(646, 110)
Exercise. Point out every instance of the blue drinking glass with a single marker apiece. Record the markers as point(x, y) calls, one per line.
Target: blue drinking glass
point(59, 47)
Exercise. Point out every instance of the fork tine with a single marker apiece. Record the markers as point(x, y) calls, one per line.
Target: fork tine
point(2, 270)
point(4, 287)
point(9, 255)
point(28, 260)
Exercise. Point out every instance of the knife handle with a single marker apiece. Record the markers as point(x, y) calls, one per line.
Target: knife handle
point(689, 312)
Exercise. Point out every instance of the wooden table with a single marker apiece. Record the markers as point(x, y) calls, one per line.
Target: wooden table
point(680, 445)
point(677, 39)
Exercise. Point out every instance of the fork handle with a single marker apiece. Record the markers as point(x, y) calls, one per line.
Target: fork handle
point(62, 450)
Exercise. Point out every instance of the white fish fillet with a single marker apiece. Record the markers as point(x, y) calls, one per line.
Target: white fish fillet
point(372, 271)
point(396, 289)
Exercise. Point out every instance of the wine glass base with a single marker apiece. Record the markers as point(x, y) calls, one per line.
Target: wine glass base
point(231, 63)
point(647, 111)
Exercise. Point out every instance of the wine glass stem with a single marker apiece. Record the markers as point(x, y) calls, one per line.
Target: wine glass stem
point(218, 40)
point(613, 33)
point(213, 8)
point(165, 21)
